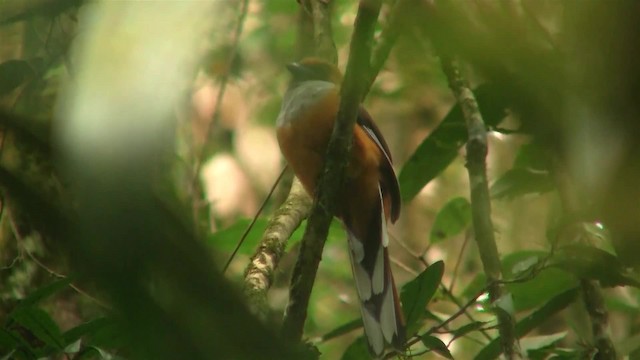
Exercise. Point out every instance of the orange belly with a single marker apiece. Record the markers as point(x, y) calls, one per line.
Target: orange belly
point(303, 143)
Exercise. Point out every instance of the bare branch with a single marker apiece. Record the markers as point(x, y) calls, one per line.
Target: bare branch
point(259, 273)
point(480, 202)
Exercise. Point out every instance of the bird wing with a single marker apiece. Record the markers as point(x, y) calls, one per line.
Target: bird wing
point(388, 177)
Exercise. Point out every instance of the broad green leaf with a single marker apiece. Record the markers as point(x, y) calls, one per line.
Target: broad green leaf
point(92, 352)
point(336, 233)
point(436, 345)
point(535, 319)
point(73, 348)
point(13, 73)
point(592, 263)
point(441, 147)
point(226, 239)
point(532, 343)
point(521, 181)
point(542, 287)
point(468, 328)
point(416, 294)
point(40, 324)
point(534, 292)
point(530, 174)
point(358, 350)
point(109, 335)
point(343, 329)
point(88, 328)
point(44, 292)
point(533, 156)
point(7, 340)
point(622, 304)
point(452, 219)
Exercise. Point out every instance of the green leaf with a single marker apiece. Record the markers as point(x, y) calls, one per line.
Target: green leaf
point(533, 156)
point(436, 345)
point(526, 295)
point(88, 328)
point(7, 340)
point(535, 319)
point(40, 324)
point(441, 147)
point(342, 329)
point(44, 292)
point(453, 218)
point(544, 286)
point(92, 352)
point(593, 263)
point(110, 335)
point(416, 294)
point(531, 173)
point(541, 342)
point(73, 347)
point(226, 239)
point(13, 73)
point(358, 350)
point(519, 181)
point(468, 328)
point(336, 233)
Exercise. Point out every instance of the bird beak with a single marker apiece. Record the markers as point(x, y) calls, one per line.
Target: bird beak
point(298, 70)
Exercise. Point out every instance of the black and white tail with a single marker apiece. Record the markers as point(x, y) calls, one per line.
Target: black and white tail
point(380, 306)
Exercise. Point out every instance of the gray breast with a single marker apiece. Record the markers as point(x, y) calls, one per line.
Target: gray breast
point(300, 98)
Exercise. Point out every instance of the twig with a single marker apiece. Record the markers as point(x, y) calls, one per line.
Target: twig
point(480, 202)
point(259, 273)
point(447, 291)
point(454, 316)
point(253, 221)
point(461, 311)
point(332, 178)
point(215, 119)
point(456, 267)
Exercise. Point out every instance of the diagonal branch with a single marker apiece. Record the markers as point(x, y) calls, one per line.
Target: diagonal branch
point(481, 204)
point(259, 273)
point(332, 178)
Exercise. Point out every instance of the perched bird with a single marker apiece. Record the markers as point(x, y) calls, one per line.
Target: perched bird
point(370, 196)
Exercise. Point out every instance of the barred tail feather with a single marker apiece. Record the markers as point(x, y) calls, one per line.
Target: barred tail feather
point(381, 312)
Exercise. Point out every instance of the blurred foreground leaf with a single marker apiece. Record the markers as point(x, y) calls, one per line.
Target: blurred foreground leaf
point(452, 219)
point(40, 324)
